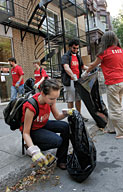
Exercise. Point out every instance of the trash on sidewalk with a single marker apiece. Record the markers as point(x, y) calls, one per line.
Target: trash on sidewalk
point(40, 174)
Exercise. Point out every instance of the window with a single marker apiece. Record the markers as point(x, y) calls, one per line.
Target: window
point(52, 23)
point(6, 5)
point(3, 4)
point(5, 76)
point(70, 28)
point(103, 18)
point(5, 49)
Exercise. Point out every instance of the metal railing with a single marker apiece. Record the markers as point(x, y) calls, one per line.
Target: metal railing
point(55, 35)
point(31, 6)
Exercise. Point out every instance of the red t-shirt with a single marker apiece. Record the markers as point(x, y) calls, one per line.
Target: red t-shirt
point(39, 76)
point(112, 65)
point(16, 73)
point(44, 113)
point(75, 65)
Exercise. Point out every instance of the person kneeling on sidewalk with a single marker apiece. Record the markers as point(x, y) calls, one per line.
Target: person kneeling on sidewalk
point(41, 134)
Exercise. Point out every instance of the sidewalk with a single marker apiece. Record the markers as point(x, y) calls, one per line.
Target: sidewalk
point(14, 165)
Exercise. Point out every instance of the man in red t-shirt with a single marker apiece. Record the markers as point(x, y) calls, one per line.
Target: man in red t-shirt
point(17, 78)
point(39, 74)
point(72, 67)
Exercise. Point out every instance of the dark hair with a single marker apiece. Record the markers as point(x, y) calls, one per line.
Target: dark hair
point(118, 43)
point(73, 42)
point(50, 84)
point(108, 39)
point(12, 59)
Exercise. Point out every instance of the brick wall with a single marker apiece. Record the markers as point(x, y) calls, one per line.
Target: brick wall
point(24, 52)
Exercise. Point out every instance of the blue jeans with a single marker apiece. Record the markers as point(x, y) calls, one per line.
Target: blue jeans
point(15, 90)
point(46, 138)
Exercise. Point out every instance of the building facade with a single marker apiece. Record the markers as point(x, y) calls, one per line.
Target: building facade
point(97, 21)
point(34, 29)
point(41, 29)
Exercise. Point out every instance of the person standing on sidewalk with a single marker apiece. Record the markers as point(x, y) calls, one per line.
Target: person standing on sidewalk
point(72, 66)
point(39, 74)
point(41, 133)
point(111, 58)
point(17, 78)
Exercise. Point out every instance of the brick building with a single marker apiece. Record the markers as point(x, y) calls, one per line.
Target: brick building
point(97, 21)
point(41, 29)
point(34, 29)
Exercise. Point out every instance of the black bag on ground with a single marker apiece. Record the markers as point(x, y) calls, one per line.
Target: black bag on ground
point(82, 161)
point(13, 111)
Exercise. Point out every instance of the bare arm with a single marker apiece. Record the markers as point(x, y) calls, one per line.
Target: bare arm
point(27, 127)
point(42, 79)
point(56, 114)
point(39, 82)
point(85, 67)
point(94, 64)
point(68, 70)
point(21, 77)
point(18, 82)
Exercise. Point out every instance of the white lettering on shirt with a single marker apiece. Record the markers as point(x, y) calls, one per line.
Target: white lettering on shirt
point(74, 63)
point(36, 75)
point(117, 51)
point(13, 73)
point(42, 118)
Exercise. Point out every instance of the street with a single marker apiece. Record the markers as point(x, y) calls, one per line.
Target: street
point(107, 176)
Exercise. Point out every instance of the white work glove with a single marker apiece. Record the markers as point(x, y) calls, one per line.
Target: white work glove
point(75, 77)
point(68, 112)
point(37, 85)
point(37, 156)
point(84, 75)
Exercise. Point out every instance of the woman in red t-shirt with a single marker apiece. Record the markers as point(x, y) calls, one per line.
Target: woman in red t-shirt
point(39, 74)
point(41, 134)
point(111, 58)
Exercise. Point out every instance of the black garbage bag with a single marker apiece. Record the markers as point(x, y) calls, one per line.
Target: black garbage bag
point(88, 90)
point(29, 86)
point(75, 170)
point(82, 161)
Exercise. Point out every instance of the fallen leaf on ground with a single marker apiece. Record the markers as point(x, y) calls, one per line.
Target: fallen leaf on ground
point(7, 189)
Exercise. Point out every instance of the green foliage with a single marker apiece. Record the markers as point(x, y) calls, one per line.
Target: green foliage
point(118, 26)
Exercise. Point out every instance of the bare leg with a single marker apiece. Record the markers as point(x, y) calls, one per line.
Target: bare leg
point(70, 105)
point(78, 105)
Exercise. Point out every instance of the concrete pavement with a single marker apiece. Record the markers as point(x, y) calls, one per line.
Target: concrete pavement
point(14, 165)
point(106, 177)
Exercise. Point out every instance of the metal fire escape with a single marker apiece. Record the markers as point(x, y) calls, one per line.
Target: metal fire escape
point(50, 37)
point(56, 37)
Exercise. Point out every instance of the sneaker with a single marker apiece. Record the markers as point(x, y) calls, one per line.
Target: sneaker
point(62, 166)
